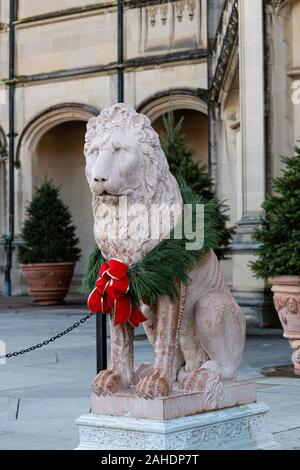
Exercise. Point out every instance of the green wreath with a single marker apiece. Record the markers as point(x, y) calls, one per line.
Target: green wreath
point(157, 272)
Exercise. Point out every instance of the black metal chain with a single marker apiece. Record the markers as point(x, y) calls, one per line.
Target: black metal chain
point(47, 341)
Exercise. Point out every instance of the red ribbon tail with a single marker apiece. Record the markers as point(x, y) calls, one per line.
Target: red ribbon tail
point(94, 301)
point(136, 317)
point(122, 311)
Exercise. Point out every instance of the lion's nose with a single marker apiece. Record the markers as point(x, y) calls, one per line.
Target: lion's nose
point(97, 180)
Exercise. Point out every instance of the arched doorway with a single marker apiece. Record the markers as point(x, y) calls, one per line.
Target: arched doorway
point(52, 146)
point(184, 104)
point(194, 129)
point(59, 157)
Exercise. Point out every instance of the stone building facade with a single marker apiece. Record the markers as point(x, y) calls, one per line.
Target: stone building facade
point(255, 70)
point(66, 70)
point(66, 67)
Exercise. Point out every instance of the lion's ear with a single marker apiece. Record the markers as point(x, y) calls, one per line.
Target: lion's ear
point(151, 166)
point(91, 129)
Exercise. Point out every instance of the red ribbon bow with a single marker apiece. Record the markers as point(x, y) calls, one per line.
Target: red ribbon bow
point(111, 294)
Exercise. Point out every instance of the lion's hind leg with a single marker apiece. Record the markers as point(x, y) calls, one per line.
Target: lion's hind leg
point(220, 328)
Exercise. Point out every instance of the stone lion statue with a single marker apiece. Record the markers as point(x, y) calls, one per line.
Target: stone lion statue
point(198, 341)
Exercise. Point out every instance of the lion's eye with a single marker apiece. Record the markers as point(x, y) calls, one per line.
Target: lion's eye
point(93, 153)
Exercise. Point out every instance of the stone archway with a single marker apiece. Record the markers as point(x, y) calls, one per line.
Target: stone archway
point(187, 105)
point(172, 100)
point(52, 145)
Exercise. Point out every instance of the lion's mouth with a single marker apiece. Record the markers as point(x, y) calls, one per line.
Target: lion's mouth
point(107, 195)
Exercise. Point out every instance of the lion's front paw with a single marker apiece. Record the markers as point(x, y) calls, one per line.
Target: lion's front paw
point(153, 385)
point(108, 382)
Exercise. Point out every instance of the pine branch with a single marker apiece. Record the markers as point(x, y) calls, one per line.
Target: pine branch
point(169, 261)
point(182, 165)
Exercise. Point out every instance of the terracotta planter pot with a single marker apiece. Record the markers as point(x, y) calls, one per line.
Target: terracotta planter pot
point(287, 303)
point(48, 282)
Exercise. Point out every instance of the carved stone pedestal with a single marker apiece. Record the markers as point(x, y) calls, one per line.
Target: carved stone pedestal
point(176, 405)
point(241, 427)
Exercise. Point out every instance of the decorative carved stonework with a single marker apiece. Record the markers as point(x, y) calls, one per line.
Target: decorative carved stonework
point(287, 303)
point(277, 4)
point(237, 428)
point(3, 153)
point(225, 40)
point(181, 6)
point(291, 304)
point(164, 14)
point(179, 9)
point(152, 14)
point(191, 6)
point(171, 26)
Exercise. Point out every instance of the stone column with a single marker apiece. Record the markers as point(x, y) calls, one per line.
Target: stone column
point(214, 11)
point(252, 105)
point(250, 292)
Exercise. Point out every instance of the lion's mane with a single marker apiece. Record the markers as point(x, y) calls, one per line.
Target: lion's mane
point(158, 186)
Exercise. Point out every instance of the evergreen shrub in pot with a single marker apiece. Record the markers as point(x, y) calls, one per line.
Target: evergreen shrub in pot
point(50, 247)
point(279, 256)
point(182, 166)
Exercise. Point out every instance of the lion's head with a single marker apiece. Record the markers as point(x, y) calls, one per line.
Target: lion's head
point(124, 158)
point(123, 153)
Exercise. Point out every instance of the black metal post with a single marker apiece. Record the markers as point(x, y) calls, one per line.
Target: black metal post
point(11, 151)
point(120, 52)
point(101, 342)
point(101, 326)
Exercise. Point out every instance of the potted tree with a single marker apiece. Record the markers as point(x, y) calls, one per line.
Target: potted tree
point(182, 165)
point(50, 247)
point(279, 256)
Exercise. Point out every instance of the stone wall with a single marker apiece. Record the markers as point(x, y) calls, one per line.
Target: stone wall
point(66, 54)
point(66, 72)
point(256, 119)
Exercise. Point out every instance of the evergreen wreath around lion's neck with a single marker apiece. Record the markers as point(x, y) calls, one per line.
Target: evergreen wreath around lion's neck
point(118, 289)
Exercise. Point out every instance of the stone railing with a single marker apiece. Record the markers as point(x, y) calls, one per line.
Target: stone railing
point(225, 38)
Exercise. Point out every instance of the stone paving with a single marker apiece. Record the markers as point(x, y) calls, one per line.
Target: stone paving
point(43, 392)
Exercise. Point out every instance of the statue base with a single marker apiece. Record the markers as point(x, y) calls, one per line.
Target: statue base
point(177, 405)
point(238, 428)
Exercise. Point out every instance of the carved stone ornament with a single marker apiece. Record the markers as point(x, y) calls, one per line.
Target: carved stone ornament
point(237, 428)
point(226, 39)
point(179, 9)
point(277, 4)
point(191, 7)
point(164, 14)
point(152, 13)
point(287, 303)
